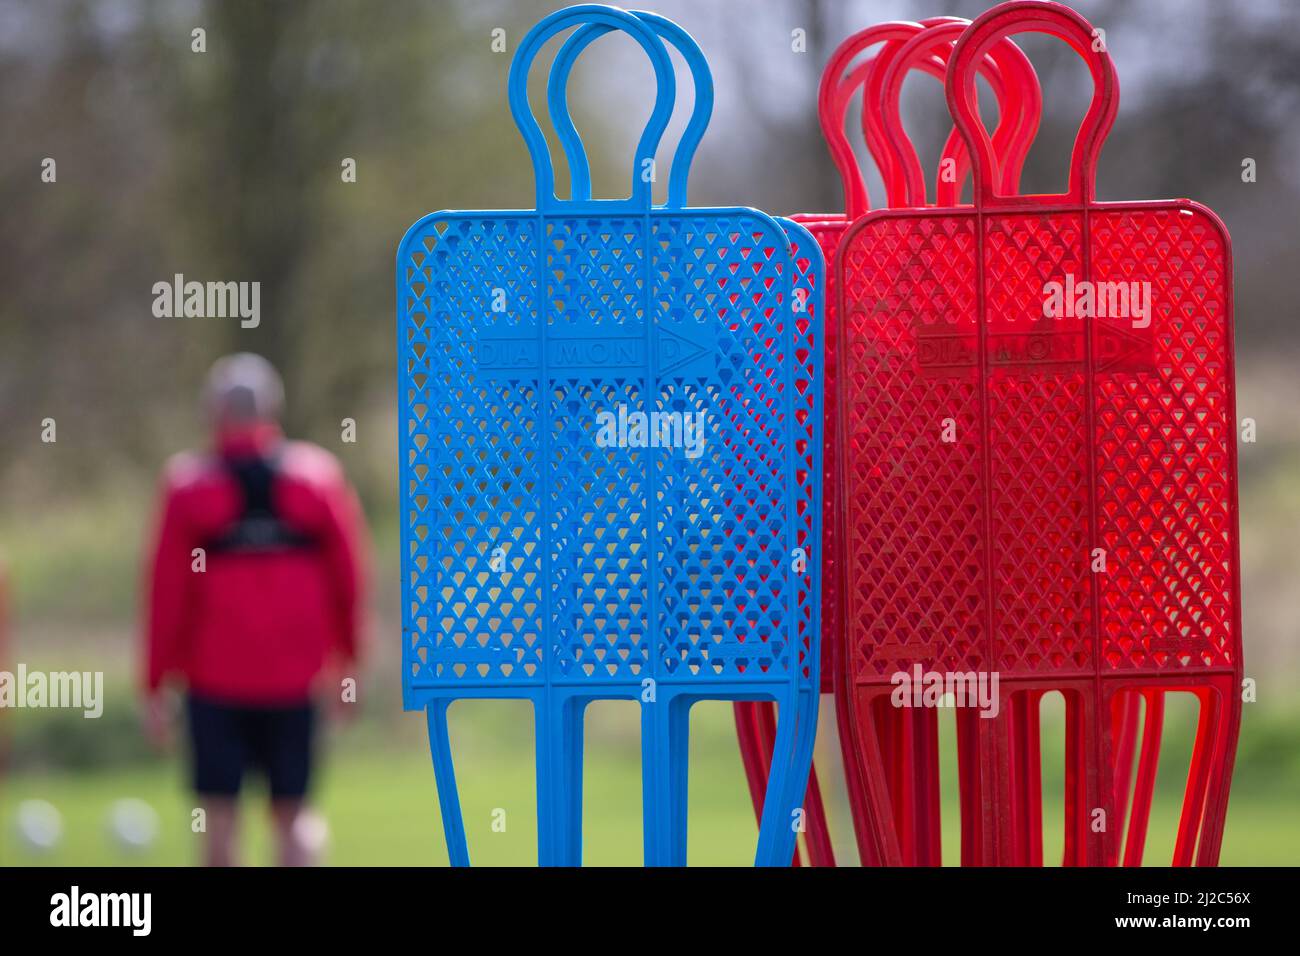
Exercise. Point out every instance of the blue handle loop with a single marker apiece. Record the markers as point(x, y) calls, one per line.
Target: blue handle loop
point(611, 18)
point(574, 151)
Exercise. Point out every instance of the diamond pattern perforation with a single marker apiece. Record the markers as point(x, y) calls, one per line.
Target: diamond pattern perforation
point(503, 476)
point(728, 608)
point(473, 603)
point(1038, 447)
point(914, 505)
point(1164, 438)
point(828, 234)
point(1162, 489)
point(599, 537)
point(808, 324)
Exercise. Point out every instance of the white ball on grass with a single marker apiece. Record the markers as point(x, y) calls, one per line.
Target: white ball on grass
point(39, 825)
point(312, 829)
point(133, 824)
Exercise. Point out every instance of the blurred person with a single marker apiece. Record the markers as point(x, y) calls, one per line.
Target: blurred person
point(253, 601)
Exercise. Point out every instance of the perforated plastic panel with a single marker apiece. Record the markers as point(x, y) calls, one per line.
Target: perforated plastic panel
point(610, 470)
point(668, 562)
point(903, 46)
point(1076, 530)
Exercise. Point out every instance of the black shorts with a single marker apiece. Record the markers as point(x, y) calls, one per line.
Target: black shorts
point(227, 738)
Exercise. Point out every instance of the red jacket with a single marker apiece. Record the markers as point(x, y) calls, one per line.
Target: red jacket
point(255, 628)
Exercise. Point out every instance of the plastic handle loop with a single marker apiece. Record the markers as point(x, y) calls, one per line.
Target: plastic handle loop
point(879, 143)
point(574, 151)
point(833, 95)
point(1054, 19)
point(1024, 107)
point(859, 77)
point(1013, 105)
point(1015, 85)
point(894, 158)
point(934, 45)
point(517, 85)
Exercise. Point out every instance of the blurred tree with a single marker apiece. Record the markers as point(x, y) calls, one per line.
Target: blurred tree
point(225, 165)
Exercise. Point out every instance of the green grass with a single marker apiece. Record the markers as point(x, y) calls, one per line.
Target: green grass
point(74, 569)
point(381, 802)
point(377, 792)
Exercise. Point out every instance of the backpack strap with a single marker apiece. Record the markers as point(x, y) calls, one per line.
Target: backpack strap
point(258, 529)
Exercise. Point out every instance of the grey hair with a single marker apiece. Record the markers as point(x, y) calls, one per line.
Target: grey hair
point(244, 388)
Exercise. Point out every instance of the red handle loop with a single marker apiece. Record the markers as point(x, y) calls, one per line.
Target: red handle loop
point(1020, 109)
point(1015, 85)
point(1054, 19)
point(833, 96)
point(895, 157)
point(1020, 76)
point(928, 52)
